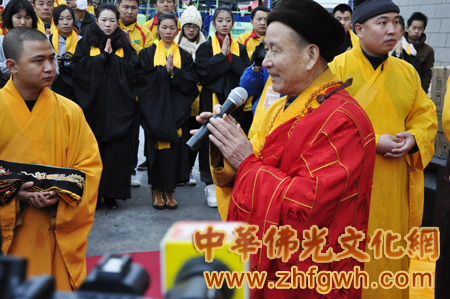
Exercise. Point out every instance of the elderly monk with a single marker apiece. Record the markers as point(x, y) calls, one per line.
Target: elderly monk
point(405, 123)
point(312, 157)
point(42, 127)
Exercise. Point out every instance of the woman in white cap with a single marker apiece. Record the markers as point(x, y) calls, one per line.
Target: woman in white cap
point(189, 38)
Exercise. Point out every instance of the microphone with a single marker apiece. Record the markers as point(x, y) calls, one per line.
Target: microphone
point(236, 98)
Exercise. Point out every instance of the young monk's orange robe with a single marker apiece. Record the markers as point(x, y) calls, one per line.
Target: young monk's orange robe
point(54, 133)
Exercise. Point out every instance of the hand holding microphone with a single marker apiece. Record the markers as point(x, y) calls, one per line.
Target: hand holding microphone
point(226, 135)
point(236, 98)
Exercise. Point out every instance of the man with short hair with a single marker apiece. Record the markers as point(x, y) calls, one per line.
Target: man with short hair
point(252, 38)
point(311, 159)
point(343, 13)
point(44, 11)
point(139, 36)
point(405, 123)
point(415, 34)
point(162, 7)
point(47, 228)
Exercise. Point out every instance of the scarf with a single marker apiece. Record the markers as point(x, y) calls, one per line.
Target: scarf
point(217, 48)
point(161, 54)
point(71, 42)
point(41, 26)
point(155, 22)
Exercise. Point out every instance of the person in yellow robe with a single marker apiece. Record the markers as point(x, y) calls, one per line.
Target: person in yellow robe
point(252, 38)
point(42, 127)
point(162, 7)
point(442, 288)
point(405, 123)
point(140, 37)
point(44, 11)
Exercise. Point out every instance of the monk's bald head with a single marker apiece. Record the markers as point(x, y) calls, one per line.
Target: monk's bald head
point(13, 43)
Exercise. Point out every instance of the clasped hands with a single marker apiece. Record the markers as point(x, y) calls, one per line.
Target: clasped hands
point(37, 199)
point(227, 136)
point(395, 146)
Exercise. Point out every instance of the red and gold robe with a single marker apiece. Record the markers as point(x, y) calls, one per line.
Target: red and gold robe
point(317, 173)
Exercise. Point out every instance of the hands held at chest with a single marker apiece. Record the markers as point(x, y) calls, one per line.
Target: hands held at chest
point(37, 199)
point(169, 63)
point(226, 46)
point(395, 146)
point(227, 136)
point(108, 47)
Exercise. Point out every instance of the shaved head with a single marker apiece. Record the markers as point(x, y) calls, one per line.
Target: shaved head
point(14, 39)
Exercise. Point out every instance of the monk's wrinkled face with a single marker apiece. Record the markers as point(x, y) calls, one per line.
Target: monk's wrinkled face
point(36, 67)
point(286, 61)
point(378, 35)
point(44, 9)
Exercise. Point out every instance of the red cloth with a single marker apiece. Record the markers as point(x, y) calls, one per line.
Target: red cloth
point(151, 263)
point(155, 22)
point(303, 180)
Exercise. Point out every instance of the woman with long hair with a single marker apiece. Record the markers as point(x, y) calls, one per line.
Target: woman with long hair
point(167, 87)
point(220, 63)
point(103, 71)
point(16, 13)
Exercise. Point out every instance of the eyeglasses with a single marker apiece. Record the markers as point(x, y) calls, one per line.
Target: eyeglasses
point(168, 1)
point(191, 26)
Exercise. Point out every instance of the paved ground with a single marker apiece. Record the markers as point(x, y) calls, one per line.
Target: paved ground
point(136, 226)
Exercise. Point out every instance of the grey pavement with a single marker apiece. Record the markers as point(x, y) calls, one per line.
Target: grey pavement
point(136, 226)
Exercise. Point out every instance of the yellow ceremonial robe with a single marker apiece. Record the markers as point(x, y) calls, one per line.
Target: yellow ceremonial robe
point(140, 36)
point(393, 99)
point(446, 112)
point(55, 133)
point(249, 42)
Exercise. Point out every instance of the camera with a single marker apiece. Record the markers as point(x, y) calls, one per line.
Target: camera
point(259, 54)
point(65, 63)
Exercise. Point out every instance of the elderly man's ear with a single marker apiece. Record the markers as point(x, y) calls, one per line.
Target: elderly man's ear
point(313, 53)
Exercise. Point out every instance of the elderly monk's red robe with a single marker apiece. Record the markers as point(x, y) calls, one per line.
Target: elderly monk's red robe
point(317, 173)
point(54, 133)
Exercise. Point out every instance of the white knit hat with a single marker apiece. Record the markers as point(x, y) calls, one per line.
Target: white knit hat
point(191, 15)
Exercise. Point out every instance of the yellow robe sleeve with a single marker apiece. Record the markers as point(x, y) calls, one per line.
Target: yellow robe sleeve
point(446, 112)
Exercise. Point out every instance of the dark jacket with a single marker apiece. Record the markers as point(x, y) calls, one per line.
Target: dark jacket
point(425, 54)
point(88, 20)
point(105, 84)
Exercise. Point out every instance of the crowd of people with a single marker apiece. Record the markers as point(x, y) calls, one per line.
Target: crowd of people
point(323, 139)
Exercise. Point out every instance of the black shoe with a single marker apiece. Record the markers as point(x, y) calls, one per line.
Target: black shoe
point(143, 166)
point(111, 203)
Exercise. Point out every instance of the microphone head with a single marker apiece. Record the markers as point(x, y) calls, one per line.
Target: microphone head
point(238, 95)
